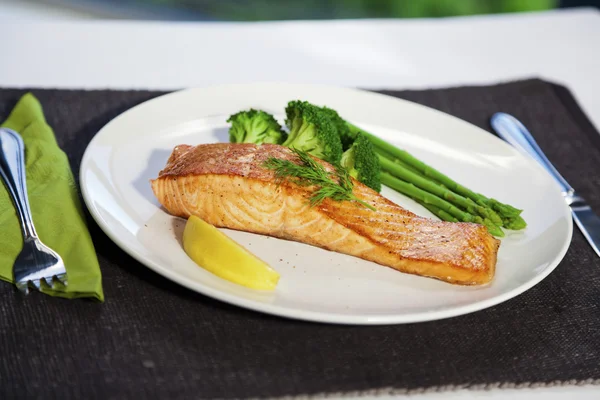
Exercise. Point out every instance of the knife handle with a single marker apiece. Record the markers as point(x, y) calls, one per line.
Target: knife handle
point(514, 132)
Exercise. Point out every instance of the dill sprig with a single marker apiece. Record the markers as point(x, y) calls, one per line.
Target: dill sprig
point(334, 185)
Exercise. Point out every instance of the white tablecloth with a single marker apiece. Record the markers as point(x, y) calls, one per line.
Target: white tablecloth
point(562, 46)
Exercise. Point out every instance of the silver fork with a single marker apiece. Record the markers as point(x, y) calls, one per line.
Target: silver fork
point(37, 262)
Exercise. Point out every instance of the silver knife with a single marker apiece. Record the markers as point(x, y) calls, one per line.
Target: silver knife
point(514, 132)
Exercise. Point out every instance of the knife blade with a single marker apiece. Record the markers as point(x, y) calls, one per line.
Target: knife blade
point(514, 132)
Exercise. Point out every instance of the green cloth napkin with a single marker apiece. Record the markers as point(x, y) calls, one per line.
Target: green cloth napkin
point(57, 212)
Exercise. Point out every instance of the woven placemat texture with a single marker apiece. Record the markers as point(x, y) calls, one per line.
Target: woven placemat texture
point(153, 339)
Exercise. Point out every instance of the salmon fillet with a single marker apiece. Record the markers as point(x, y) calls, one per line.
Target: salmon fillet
point(228, 186)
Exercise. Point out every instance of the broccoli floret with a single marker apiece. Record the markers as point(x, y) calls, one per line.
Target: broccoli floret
point(346, 135)
point(255, 126)
point(362, 163)
point(359, 157)
point(313, 131)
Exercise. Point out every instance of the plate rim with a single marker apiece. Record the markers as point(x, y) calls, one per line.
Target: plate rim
point(305, 315)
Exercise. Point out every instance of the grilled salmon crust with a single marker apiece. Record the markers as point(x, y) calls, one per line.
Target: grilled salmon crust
point(228, 186)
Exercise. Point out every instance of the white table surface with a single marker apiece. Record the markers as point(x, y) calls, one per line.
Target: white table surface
point(57, 49)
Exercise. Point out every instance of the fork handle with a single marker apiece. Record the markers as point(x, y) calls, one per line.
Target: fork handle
point(12, 170)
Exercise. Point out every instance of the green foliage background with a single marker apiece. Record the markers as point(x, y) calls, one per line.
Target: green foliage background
point(262, 10)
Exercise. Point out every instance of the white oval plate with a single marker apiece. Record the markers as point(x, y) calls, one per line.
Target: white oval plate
point(316, 284)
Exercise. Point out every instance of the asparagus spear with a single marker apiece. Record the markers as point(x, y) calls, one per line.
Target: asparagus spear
point(441, 214)
point(510, 215)
point(424, 197)
point(398, 170)
point(391, 157)
point(380, 144)
point(508, 222)
point(514, 223)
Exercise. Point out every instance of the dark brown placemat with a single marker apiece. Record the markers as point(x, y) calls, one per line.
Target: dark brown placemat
point(155, 339)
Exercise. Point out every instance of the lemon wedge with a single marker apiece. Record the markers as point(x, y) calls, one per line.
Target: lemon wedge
point(216, 252)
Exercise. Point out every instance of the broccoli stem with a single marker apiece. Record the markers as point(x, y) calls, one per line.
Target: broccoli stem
point(423, 197)
point(397, 169)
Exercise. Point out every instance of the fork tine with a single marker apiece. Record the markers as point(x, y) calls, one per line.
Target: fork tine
point(62, 278)
point(36, 283)
point(23, 287)
point(47, 282)
point(43, 282)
